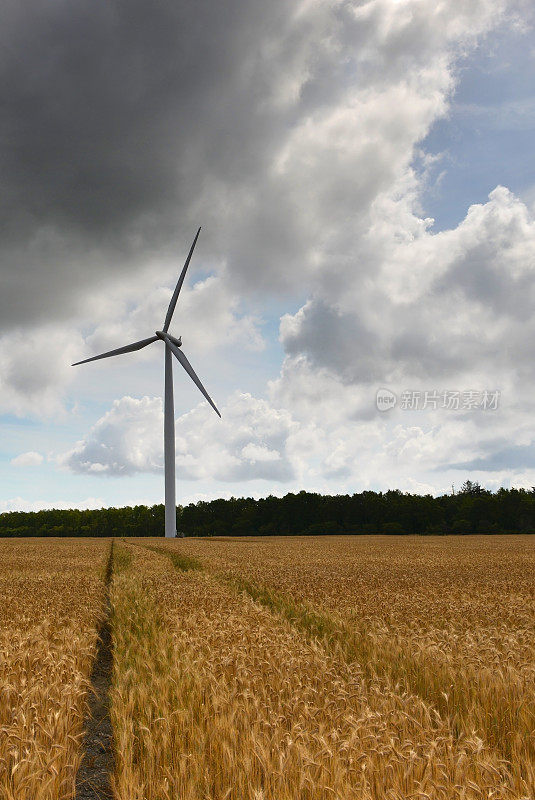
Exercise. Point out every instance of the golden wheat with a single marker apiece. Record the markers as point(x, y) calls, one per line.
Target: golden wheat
point(51, 594)
point(312, 668)
point(452, 620)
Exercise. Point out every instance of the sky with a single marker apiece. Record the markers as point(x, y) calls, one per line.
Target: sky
point(359, 304)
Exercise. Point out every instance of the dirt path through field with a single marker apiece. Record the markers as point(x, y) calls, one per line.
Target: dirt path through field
point(93, 781)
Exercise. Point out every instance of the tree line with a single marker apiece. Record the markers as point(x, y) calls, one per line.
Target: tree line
point(472, 510)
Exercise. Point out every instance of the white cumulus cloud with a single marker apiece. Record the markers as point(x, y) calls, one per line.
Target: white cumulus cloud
point(29, 459)
point(249, 443)
point(127, 439)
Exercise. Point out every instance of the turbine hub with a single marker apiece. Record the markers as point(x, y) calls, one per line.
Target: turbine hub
point(160, 334)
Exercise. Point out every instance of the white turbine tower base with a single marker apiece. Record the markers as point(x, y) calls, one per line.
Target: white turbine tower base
point(169, 448)
point(172, 348)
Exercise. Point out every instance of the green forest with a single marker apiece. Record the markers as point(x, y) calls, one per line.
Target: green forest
point(472, 510)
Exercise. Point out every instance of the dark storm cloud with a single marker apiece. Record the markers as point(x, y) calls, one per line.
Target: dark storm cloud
point(95, 96)
point(115, 115)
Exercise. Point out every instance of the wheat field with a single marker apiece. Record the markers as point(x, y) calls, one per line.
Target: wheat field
point(355, 668)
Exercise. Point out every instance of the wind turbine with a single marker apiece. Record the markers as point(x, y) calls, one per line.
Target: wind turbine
point(172, 348)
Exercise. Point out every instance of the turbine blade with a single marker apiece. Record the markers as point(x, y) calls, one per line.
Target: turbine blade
point(191, 372)
point(178, 287)
point(126, 349)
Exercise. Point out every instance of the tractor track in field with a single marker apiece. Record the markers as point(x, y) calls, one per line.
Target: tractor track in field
point(93, 780)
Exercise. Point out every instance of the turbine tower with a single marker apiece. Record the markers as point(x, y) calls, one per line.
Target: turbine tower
point(172, 348)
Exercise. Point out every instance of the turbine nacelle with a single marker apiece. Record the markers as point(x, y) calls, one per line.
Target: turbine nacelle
point(163, 336)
